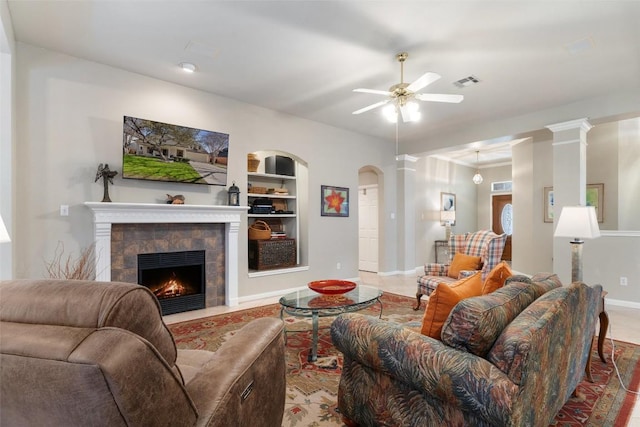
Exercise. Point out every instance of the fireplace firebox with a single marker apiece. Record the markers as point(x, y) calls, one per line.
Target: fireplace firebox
point(177, 279)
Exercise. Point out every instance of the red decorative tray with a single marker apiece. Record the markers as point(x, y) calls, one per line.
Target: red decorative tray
point(332, 287)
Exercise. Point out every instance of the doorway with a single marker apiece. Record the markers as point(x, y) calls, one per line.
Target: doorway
point(368, 228)
point(502, 220)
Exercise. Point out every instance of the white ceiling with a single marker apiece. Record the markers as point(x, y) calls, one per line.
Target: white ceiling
point(305, 57)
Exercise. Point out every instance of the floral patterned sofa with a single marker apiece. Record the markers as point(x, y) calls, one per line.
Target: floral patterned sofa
point(483, 243)
point(509, 358)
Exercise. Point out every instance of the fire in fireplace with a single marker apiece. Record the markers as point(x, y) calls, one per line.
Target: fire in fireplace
point(177, 279)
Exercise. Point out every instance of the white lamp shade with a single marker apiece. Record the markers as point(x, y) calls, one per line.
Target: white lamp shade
point(579, 222)
point(4, 234)
point(448, 216)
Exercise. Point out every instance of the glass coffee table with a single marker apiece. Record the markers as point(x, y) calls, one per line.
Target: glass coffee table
point(308, 303)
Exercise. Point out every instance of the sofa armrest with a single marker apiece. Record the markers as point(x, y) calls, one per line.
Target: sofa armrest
point(451, 376)
point(244, 380)
point(435, 269)
point(466, 273)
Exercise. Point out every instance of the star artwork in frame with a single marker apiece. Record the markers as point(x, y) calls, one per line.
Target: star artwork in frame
point(334, 201)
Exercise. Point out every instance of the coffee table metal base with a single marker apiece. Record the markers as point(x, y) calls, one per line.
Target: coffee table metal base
point(317, 313)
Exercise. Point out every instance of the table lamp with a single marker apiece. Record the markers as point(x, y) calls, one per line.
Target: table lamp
point(579, 222)
point(448, 217)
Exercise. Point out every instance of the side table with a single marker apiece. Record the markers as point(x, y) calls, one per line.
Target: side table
point(442, 251)
point(604, 325)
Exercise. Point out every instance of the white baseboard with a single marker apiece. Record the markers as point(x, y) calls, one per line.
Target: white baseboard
point(622, 303)
point(398, 273)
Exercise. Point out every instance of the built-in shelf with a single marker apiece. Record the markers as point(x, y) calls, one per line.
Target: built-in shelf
point(287, 222)
point(297, 268)
point(271, 196)
point(270, 175)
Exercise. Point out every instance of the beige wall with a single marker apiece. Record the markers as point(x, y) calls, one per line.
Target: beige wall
point(69, 119)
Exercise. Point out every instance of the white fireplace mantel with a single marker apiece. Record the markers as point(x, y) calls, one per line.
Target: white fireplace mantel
point(105, 214)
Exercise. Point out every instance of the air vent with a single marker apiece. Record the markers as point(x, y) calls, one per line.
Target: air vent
point(466, 82)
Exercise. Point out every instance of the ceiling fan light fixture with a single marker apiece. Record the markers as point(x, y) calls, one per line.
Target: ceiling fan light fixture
point(414, 113)
point(390, 113)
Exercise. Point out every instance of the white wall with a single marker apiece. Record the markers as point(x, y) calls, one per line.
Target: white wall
point(434, 176)
point(7, 141)
point(69, 119)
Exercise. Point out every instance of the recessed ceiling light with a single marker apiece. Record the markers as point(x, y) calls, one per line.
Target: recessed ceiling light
point(187, 67)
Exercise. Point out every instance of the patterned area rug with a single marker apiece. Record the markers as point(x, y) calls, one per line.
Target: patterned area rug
point(312, 387)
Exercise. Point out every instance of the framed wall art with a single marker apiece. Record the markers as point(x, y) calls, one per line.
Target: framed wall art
point(334, 201)
point(595, 197)
point(448, 203)
point(548, 204)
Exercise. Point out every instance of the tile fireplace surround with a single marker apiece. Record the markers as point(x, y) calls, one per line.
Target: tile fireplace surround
point(106, 214)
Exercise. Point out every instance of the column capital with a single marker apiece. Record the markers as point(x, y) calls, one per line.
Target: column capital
point(582, 124)
point(406, 158)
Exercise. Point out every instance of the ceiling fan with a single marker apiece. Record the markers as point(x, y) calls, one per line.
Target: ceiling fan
point(402, 95)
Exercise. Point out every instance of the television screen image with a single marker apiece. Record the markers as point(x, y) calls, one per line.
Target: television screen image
point(164, 152)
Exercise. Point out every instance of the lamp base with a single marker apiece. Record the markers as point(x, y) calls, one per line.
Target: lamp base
point(447, 231)
point(576, 260)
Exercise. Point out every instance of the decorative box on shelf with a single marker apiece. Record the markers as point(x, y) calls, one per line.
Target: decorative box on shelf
point(274, 253)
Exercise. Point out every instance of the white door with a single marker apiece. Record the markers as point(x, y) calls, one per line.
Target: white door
point(368, 227)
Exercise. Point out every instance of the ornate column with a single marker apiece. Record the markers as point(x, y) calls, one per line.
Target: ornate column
point(569, 182)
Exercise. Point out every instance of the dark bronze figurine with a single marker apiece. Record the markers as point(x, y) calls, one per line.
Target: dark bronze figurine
point(107, 177)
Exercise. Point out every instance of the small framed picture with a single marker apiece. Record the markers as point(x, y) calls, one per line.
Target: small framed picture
point(548, 204)
point(334, 201)
point(448, 203)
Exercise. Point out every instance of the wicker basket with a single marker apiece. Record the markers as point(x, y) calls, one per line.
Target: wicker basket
point(259, 230)
point(252, 162)
point(257, 190)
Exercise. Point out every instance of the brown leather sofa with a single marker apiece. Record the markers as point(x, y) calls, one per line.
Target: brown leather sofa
point(80, 353)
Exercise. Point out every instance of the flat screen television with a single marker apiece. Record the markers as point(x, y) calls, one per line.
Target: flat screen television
point(159, 151)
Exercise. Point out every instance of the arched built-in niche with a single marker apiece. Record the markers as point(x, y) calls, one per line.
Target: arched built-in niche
point(286, 185)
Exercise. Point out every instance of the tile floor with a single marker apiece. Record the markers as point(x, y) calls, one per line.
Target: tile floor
point(623, 322)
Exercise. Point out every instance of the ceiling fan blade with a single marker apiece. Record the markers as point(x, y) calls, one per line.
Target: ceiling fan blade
point(404, 112)
point(374, 91)
point(371, 107)
point(439, 97)
point(424, 80)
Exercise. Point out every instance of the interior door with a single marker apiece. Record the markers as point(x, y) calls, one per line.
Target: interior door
point(502, 220)
point(368, 228)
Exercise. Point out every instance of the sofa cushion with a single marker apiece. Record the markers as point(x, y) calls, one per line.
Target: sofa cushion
point(512, 346)
point(442, 301)
point(462, 262)
point(475, 323)
point(496, 278)
point(544, 282)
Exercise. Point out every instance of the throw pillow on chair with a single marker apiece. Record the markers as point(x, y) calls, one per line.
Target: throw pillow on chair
point(462, 262)
point(443, 299)
point(496, 278)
